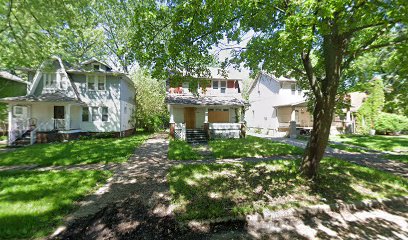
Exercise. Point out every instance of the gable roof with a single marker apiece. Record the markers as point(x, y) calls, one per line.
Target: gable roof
point(280, 79)
point(92, 60)
point(11, 77)
point(37, 78)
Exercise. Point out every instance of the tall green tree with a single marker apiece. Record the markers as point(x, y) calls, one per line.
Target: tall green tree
point(312, 40)
point(150, 113)
point(372, 106)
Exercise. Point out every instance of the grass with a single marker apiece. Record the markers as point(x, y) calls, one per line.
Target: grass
point(33, 203)
point(378, 143)
point(3, 138)
point(401, 158)
point(346, 148)
point(220, 190)
point(108, 150)
point(181, 150)
point(251, 147)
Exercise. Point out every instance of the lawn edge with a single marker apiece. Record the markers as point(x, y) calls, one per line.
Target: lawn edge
point(268, 215)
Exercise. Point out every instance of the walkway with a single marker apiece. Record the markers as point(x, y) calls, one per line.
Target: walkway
point(140, 184)
point(372, 159)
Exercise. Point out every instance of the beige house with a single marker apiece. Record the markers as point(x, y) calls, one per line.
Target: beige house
point(216, 111)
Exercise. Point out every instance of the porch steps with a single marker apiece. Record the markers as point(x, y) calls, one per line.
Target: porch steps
point(24, 140)
point(196, 136)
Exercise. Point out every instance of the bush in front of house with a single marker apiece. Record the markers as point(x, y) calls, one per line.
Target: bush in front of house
point(391, 123)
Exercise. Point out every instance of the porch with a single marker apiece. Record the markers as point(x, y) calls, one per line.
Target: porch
point(209, 121)
point(34, 121)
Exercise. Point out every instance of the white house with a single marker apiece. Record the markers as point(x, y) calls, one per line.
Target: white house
point(65, 101)
point(278, 107)
point(216, 112)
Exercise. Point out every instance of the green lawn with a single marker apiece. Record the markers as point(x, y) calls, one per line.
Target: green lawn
point(106, 150)
point(181, 150)
point(33, 203)
point(401, 158)
point(251, 147)
point(220, 190)
point(347, 148)
point(379, 143)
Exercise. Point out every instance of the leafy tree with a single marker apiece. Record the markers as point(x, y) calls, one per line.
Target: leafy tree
point(150, 113)
point(391, 123)
point(373, 105)
point(312, 40)
point(33, 30)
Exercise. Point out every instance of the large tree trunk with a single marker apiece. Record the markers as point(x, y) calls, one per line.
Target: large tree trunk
point(325, 92)
point(322, 119)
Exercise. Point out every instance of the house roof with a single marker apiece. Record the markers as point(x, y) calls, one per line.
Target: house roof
point(58, 96)
point(204, 100)
point(280, 79)
point(11, 77)
point(95, 60)
point(302, 103)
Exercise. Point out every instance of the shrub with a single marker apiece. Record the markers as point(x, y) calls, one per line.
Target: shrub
point(391, 123)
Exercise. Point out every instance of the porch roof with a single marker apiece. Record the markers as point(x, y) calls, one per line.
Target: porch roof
point(204, 100)
point(295, 104)
point(46, 97)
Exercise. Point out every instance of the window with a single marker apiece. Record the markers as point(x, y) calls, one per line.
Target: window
point(18, 110)
point(101, 83)
point(293, 87)
point(97, 67)
point(104, 114)
point(95, 114)
point(96, 82)
point(85, 114)
point(215, 84)
point(223, 86)
point(50, 80)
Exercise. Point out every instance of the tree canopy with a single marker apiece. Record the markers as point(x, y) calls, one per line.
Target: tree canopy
point(317, 42)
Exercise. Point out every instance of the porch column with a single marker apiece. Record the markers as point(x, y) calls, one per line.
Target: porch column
point(348, 122)
point(206, 124)
point(292, 125)
point(68, 117)
point(172, 123)
point(206, 115)
point(9, 125)
point(293, 115)
point(171, 114)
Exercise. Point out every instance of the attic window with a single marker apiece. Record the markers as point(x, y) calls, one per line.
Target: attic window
point(97, 67)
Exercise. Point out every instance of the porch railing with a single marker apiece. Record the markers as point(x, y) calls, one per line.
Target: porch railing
point(17, 129)
point(180, 131)
point(224, 130)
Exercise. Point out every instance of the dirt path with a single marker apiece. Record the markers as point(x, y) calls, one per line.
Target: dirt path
point(369, 159)
point(139, 185)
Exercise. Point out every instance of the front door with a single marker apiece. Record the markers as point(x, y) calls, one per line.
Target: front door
point(189, 117)
point(59, 115)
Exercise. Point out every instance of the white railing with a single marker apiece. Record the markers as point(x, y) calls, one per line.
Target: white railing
point(17, 129)
point(59, 124)
point(44, 126)
point(180, 131)
point(224, 130)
